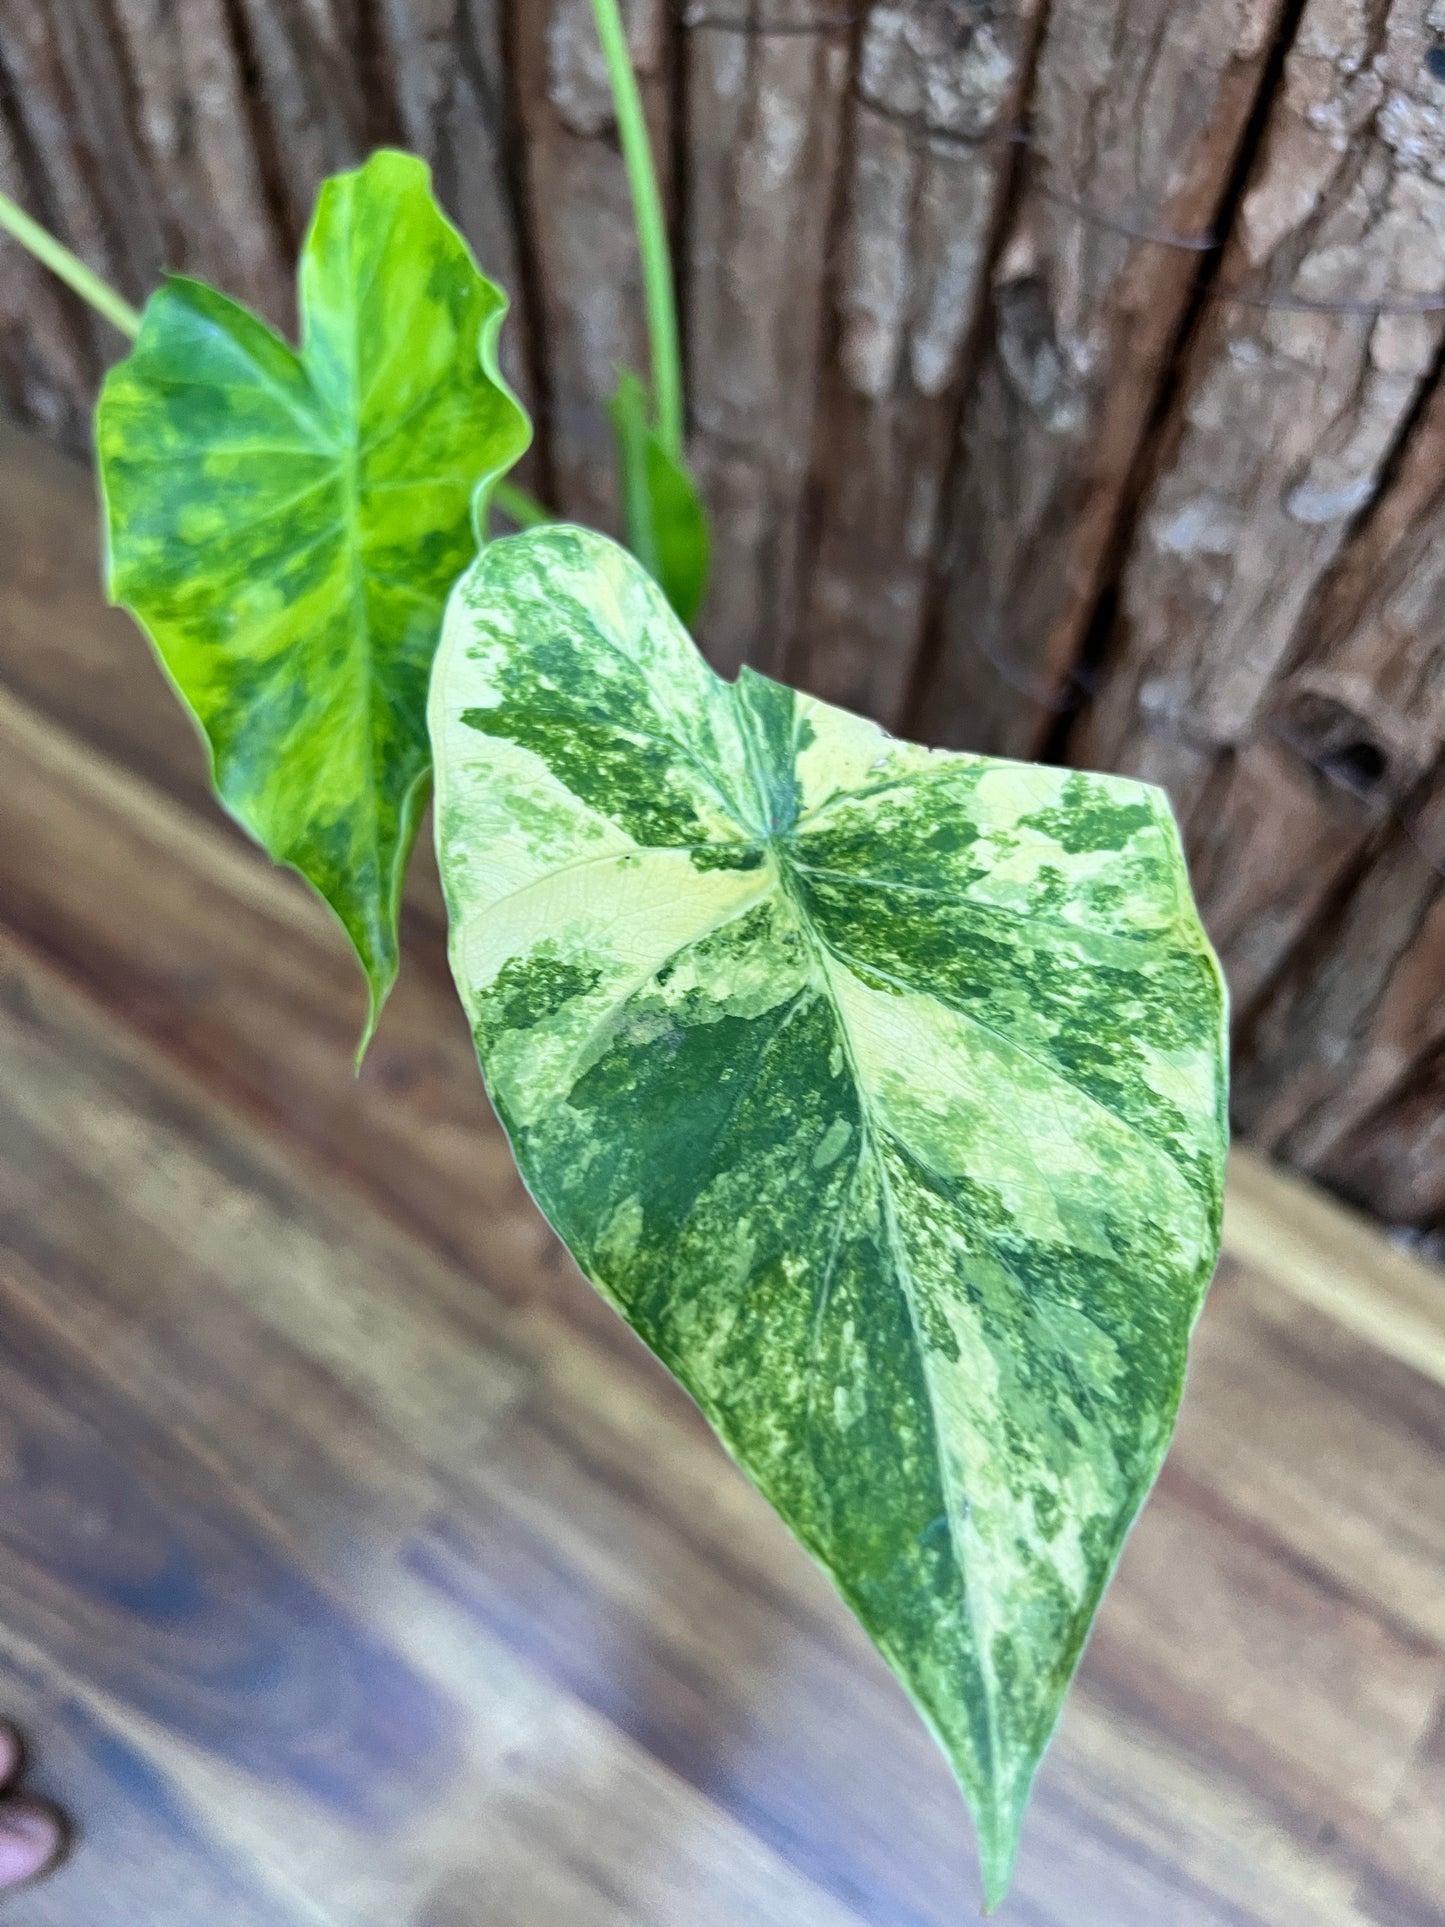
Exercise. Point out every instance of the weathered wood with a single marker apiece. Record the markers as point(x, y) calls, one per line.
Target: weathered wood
point(579, 221)
point(194, 136)
point(45, 363)
point(1358, 1008)
point(197, 152)
point(1136, 112)
point(314, 106)
point(1287, 417)
point(66, 91)
point(1272, 840)
point(1392, 1158)
point(764, 91)
point(936, 100)
point(445, 63)
point(1345, 733)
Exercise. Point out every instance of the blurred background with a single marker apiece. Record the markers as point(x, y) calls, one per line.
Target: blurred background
point(1063, 381)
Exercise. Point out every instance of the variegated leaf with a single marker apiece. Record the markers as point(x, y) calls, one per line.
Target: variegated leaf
point(882, 1091)
point(288, 526)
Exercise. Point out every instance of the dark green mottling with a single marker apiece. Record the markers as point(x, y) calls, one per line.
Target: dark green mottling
point(906, 1156)
point(287, 527)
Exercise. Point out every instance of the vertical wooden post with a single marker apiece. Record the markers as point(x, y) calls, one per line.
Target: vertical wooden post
point(765, 87)
point(589, 285)
point(935, 115)
point(1135, 119)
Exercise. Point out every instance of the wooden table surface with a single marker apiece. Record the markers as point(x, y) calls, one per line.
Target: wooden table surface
point(359, 1569)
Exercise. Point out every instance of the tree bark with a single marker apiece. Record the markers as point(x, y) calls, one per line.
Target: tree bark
point(46, 365)
point(1346, 733)
point(1138, 110)
point(197, 152)
point(1357, 1023)
point(935, 110)
point(589, 279)
point(765, 89)
point(1288, 418)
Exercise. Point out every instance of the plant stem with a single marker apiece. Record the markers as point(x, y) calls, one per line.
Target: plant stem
point(651, 227)
point(69, 267)
point(524, 509)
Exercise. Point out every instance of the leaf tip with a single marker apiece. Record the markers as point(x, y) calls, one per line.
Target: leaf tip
point(368, 1029)
point(998, 1845)
point(381, 975)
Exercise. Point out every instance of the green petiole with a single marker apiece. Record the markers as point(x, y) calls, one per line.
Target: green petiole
point(523, 509)
point(651, 227)
point(69, 268)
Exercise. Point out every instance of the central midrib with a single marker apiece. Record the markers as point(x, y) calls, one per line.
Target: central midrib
point(870, 1146)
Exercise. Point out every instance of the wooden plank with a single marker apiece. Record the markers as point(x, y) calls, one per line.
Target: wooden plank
point(211, 1546)
point(619, 1692)
point(579, 219)
point(1336, 1261)
point(1290, 1403)
point(139, 1828)
point(1136, 112)
point(764, 85)
point(1413, 1848)
point(936, 99)
point(1288, 417)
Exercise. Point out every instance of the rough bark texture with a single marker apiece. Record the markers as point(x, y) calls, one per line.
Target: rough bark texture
point(45, 365)
point(1288, 416)
point(1137, 113)
point(765, 82)
point(982, 440)
point(580, 228)
point(1358, 1019)
point(934, 109)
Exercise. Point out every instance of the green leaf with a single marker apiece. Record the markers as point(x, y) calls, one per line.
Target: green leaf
point(665, 522)
point(287, 527)
point(881, 1090)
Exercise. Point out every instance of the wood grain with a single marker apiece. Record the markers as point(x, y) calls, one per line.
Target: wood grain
point(1348, 732)
point(360, 1570)
point(1135, 115)
point(590, 322)
point(1351, 1017)
point(936, 101)
point(1287, 418)
point(765, 84)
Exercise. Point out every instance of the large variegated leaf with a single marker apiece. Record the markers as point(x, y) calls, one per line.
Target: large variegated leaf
point(881, 1091)
point(287, 527)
